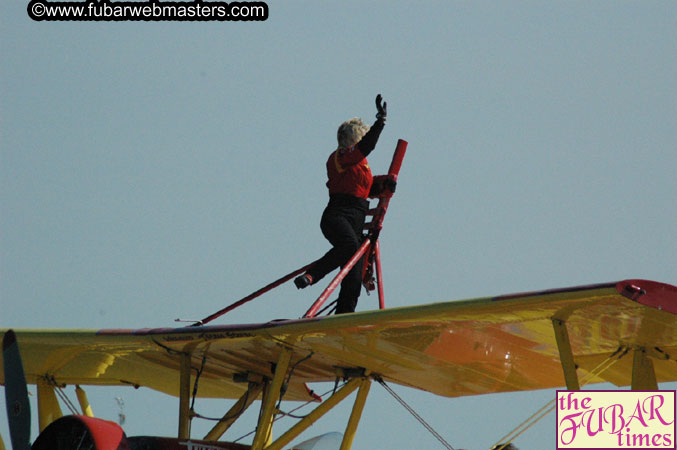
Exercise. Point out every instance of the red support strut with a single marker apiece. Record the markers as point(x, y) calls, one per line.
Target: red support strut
point(379, 276)
point(252, 296)
point(335, 282)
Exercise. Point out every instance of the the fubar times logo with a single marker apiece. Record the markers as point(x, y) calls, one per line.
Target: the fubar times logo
point(605, 420)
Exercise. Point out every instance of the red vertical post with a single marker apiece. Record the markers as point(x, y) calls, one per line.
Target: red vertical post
point(377, 221)
point(396, 163)
point(379, 276)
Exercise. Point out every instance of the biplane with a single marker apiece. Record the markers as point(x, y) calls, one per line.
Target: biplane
point(621, 332)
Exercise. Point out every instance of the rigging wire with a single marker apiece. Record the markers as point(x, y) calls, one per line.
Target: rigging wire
point(319, 313)
point(169, 350)
point(197, 415)
point(64, 398)
point(550, 406)
point(227, 417)
point(197, 379)
point(528, 423)
point(285, 385)
point(58, 388)
point(414, 413)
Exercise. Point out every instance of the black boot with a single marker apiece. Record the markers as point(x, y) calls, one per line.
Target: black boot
point(303, 281)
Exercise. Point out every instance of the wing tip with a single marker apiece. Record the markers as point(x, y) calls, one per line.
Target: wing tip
point(657, 295)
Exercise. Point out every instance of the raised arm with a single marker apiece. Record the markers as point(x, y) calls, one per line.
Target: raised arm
point(369, 140)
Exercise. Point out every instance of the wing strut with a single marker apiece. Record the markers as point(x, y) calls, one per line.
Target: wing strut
point(48, 405)
point(643, 375)
point(318, 412)
point(184, 397)
point(370, 250)
point(356, 414)
point(566, 355)
point(253, 391)
point(264, 427)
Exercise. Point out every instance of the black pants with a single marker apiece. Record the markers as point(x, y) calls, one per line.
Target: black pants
point(342, 223)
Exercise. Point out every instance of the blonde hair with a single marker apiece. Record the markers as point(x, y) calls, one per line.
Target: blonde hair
point(351, 132)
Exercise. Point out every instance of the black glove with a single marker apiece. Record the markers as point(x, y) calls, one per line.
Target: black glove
point(383, 185)
point(382, 109)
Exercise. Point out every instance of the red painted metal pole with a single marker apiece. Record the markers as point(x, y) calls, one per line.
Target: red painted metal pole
point(379, 213)
point(396, 163)
point(379, 276)
point(252, 296)
point(335, 282)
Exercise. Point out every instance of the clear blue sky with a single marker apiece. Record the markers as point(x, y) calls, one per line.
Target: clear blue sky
point(151, 171)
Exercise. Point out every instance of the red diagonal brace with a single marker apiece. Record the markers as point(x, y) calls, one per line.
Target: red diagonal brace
point(253, 295)
point(335, 282)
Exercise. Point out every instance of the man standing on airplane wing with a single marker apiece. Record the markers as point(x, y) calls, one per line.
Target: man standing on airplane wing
point(350, 183)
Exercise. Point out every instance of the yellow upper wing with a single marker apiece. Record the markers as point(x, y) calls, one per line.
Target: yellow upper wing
point(452, 349)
